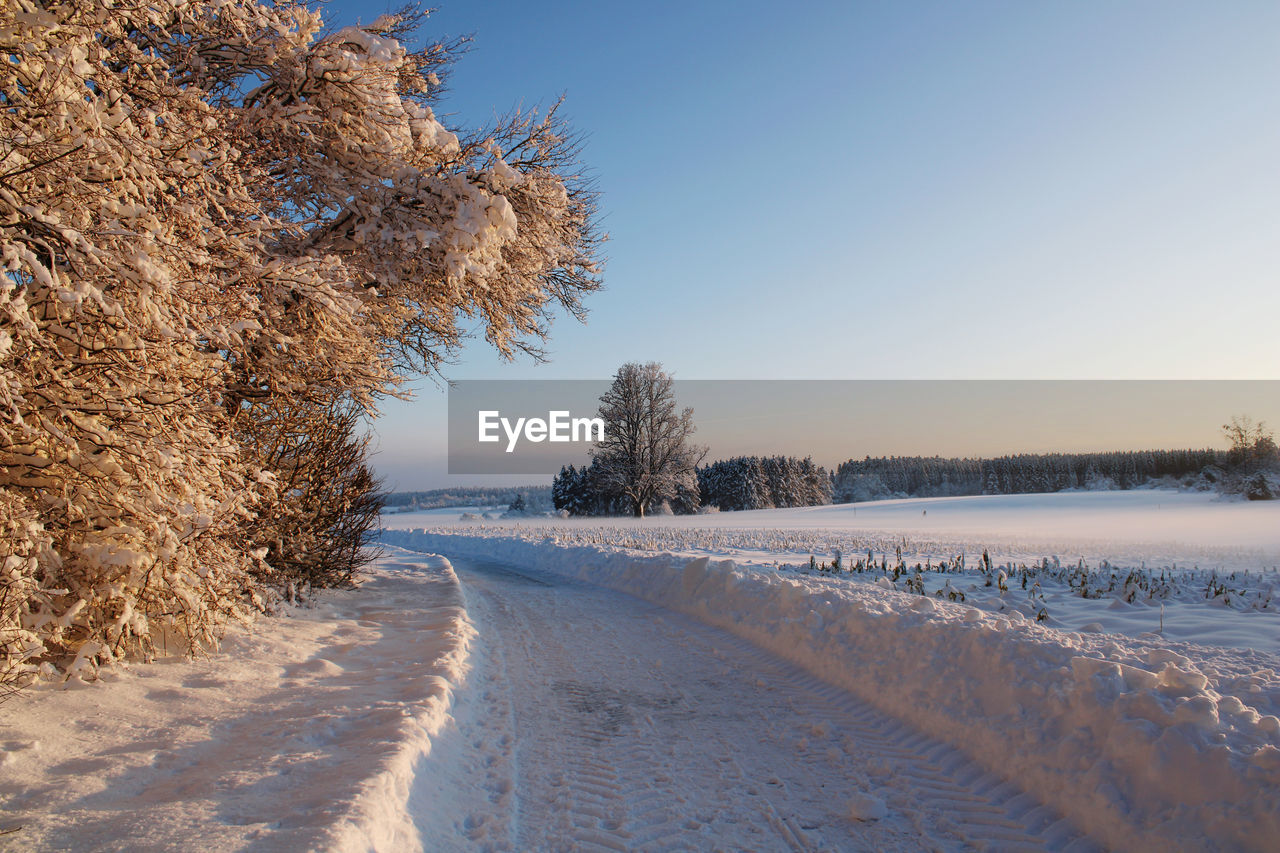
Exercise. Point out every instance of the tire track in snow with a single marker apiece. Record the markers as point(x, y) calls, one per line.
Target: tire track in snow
point(637, 728)
point(985, 810)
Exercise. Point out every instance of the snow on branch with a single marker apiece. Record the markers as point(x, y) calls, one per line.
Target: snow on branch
point(216, 219)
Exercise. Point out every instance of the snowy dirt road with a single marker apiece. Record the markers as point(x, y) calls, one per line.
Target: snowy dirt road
point(596, 721)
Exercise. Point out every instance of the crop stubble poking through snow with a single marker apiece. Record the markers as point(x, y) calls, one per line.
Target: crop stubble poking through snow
point(1231, 598)
point(621, 725)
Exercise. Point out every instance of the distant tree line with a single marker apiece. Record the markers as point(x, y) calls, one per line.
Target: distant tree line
point(756, 482)
point(934, 476)
point(1250, 468)
point(534, 496)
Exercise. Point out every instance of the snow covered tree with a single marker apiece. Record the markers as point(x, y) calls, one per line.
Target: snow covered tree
point(752, 482)
point(646, 456)
point(1259, 486)
point(564, 489)
point(214, 217)
point(582, 491)
point(688, 498)
point(817, 483)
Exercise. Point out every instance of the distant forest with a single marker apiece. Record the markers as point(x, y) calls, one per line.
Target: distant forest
point(767, 482)
point(764, 483)
point(933, 476)
point(536, 498)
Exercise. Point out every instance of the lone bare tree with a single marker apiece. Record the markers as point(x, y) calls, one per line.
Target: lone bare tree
point(1253, 460)
point(1252, 444)
point(646, 456)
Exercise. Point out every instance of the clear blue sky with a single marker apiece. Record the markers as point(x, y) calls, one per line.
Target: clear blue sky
point(897, 189)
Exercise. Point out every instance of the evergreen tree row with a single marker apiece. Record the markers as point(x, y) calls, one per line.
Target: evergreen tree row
point(744, 482)
point(535, 496)
point(917, 476)
point(764, 482)
point(755, 482)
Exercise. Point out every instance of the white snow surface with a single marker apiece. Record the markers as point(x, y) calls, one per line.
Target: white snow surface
point(1193, 536)
point(302, 733)
point(688, 682)
point(1144, 743)
point(1143, 524)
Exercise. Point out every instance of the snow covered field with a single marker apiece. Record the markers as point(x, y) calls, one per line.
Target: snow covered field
point(1152, 525)
point(1148, 741)
point(691, 682)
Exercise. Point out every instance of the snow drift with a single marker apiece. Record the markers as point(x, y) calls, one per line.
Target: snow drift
point(303, 734)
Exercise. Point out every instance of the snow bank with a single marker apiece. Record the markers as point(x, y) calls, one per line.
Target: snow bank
point(426, 646)
point(1131, 742)
point(302, 734)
